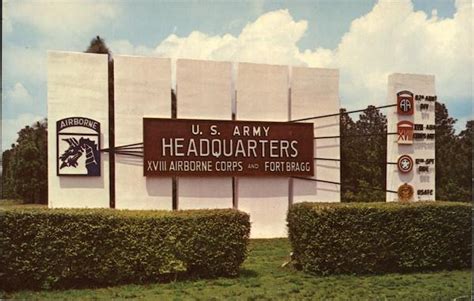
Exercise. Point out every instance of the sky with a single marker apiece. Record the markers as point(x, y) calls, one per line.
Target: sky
point(365, 39)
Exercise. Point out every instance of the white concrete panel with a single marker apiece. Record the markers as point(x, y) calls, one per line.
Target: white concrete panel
point(262, 94)
point(77, 86)
point(142, 88)
point(420, 149)
point(315, 92)
point(204, 91)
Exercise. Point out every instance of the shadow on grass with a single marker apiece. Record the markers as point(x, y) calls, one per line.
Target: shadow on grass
point(78, 284)
point(247, 273)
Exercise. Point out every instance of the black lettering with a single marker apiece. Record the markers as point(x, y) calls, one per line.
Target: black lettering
point(419, 135)
point(423, 169)
point(418, 127)
point(425, 192)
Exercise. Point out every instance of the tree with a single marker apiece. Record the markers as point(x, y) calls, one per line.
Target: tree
point(467, 151)
point(25, 165)
point(459, 183)
point(97, 45)
point(363, 156)
point(447, 157)
point(7, 178)
point(348, 157)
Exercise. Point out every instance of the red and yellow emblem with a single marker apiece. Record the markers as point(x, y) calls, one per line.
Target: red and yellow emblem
point(405, 132)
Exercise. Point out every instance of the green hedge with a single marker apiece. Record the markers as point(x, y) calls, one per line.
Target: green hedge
point(369, 238)
point(58, 248)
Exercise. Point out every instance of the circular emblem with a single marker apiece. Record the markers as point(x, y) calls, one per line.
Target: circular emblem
point(405, 164)
point(405, 105)
point(405, 192)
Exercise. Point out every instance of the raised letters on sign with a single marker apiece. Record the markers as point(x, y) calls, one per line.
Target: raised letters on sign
point(183, 147)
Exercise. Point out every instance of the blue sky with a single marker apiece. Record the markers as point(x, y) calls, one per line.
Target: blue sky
point(366, 40)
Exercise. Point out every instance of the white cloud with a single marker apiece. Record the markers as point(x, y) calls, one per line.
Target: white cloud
point(11, 127)
point(72, 17)
point(391, 38)
point(271, 39)
point(19, 95)
point(395, 38)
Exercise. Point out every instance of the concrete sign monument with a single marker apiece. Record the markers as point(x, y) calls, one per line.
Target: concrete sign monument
point(233, 143)
point(413, 146)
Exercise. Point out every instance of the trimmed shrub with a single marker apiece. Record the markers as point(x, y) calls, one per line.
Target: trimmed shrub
point(370, 238)
point(59, 248)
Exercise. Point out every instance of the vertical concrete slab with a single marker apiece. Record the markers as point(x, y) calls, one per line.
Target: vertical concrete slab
point(315, 92)
point(262, 94)
point(420, 149)
point(142, 88)
point(204, 91)
point(77, 86)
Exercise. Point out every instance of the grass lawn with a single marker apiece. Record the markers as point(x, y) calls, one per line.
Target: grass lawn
point(262, 278)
